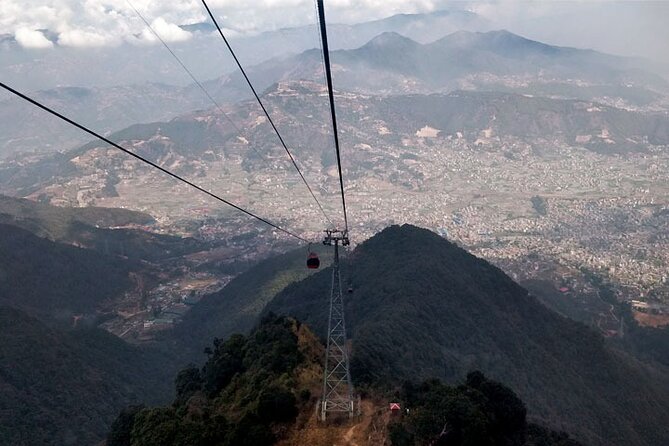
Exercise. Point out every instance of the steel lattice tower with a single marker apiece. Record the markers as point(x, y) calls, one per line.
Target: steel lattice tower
point(337, 387)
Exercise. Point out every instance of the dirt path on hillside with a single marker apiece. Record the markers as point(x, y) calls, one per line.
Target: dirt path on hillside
point(367, 430)
point(348, 437)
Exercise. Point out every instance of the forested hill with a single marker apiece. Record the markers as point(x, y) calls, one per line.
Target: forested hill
point(64, 387)
point(108, 230)
point(59, 385)
point(422, 307)
point(56, 223)
point(51, 279)
point(262, 390)
point(236, 308)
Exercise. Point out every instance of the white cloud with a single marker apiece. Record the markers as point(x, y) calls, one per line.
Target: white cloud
point(633, 27)
point(82, 38)
point(29, 38)
point(169, 32)
point(94, 23)
point(78, 19)
point(262, 15)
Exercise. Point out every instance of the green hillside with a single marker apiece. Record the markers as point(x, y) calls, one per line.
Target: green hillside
point(478, 412)
point(56, 223)
point(243, 395)
point(236, 308)
point(96, 228)
point(258, 390)
point(56, 280)
point(61, 386)
point(65, 387)
point(424, 308)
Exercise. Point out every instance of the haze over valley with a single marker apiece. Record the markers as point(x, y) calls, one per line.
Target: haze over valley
point(536, 157)
point(533, 173)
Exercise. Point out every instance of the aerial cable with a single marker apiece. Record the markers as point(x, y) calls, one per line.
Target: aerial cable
point(320, 41)
point(328, 76)
point(150, 163)
point(189, 72)
point(262, 106)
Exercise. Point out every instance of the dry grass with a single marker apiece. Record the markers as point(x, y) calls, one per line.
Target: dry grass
point(651, 320)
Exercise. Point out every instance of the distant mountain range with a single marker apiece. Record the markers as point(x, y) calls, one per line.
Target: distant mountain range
point(572, 122)
point(204, 53)
point(392, 63)
point(194, 143)
point(28, 129)
point(388, 64)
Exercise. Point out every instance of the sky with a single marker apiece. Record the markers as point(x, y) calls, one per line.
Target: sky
point(88, 23)
point(637, 28)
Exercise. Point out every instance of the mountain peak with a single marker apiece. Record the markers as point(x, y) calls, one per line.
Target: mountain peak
point(390, 40)
point(410, 237)
point(483, 35)
point(502, 42)
point(421, 307)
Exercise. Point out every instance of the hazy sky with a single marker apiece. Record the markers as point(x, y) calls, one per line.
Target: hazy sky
point(627, 27)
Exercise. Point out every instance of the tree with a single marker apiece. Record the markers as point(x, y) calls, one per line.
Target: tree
point(187, 382)
point(121, 428)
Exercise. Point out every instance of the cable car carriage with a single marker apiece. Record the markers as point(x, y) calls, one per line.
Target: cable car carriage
point(313, 262)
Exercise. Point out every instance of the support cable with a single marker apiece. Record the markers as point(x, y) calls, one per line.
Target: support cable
point(328, 76)
point(150, 163)
point(189, 72)
point(262, 106)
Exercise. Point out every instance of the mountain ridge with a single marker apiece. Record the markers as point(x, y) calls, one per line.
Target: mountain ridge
point(455, 60)
point(480, 118)
point(261, 389)
point(53, 280)
point(422, 307)
point(387, 63)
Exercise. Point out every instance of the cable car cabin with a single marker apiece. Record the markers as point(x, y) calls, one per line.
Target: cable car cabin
point(350, 290)
point(313, 262)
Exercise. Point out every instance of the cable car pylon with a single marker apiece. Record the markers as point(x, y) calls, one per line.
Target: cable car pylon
point(337, 397)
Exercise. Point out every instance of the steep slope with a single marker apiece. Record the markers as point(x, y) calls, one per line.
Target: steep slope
point(261, 390)
point(422, 307)
point(107, 230)
point(65, 387)
point(236, 308)
point(55, 280)
point(245, 395)
point(56, 222)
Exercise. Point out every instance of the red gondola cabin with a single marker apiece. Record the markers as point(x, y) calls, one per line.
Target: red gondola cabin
point(313, 262)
